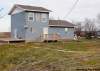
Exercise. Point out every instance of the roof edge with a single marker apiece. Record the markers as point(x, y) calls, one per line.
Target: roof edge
point(63, 26)
point(13, 8)
point(18, 6)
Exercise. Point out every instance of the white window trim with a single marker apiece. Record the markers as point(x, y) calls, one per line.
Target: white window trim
point(44, 17)
point(31, 16)
point(66, 29)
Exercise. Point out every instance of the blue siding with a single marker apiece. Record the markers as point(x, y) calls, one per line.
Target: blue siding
point(61, 31)
point(18, 22)
point(37, 29)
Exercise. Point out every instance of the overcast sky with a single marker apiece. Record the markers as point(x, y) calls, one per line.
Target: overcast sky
point(84, 9)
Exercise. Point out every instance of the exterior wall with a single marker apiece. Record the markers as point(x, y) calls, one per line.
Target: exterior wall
point(33, 30)
point(37, 29)
point(17, 23)
point(62, 33)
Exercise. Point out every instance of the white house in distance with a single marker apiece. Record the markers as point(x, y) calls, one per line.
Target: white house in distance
point(32, 23)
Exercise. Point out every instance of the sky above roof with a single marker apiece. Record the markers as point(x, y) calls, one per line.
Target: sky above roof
point(84, 9)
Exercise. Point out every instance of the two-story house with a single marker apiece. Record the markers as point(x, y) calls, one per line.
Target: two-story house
point(32, 23)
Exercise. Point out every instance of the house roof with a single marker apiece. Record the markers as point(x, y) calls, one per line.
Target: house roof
point(29, 8)
point(60, 23)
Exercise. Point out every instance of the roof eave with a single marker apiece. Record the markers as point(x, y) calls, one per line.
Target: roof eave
point(37, 10)
point(61, 26)
point(13, 8)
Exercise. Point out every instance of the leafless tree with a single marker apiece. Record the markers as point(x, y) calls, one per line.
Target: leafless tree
point(90, 27)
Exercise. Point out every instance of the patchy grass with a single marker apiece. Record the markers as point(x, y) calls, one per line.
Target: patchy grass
point(54, 56)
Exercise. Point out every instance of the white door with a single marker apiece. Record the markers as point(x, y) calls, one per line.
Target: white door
point(45, 32)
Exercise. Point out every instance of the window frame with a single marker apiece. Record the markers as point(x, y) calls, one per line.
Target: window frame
point(31, 15)
point(44, 17)
point(66, 29)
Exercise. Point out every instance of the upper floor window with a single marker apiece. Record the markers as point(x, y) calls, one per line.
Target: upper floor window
point(30, 16)
point(44, 17)
point(41, 17)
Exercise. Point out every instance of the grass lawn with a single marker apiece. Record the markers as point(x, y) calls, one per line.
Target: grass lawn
point(54, 56)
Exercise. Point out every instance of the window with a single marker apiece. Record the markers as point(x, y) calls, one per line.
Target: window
point(66, 29)
point(41, 17)
point(30, 16)
point(44, 17)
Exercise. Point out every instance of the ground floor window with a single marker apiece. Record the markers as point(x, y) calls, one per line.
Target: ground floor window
point(66, 29)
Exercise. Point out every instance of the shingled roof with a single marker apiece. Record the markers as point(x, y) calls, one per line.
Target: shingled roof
point(60, 23)
point(29, 8)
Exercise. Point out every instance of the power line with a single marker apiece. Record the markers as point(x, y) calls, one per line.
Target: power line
point(73, 7)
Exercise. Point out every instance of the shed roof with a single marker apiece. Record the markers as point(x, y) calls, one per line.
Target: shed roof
point(60, 23)
point(29, 8)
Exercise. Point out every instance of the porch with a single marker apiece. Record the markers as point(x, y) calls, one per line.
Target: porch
point(9, 40)
point(50, 37)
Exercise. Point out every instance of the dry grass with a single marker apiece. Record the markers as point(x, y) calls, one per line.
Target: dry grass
point(54, 56)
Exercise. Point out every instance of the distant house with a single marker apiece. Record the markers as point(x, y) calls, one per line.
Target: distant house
point(32, 24)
